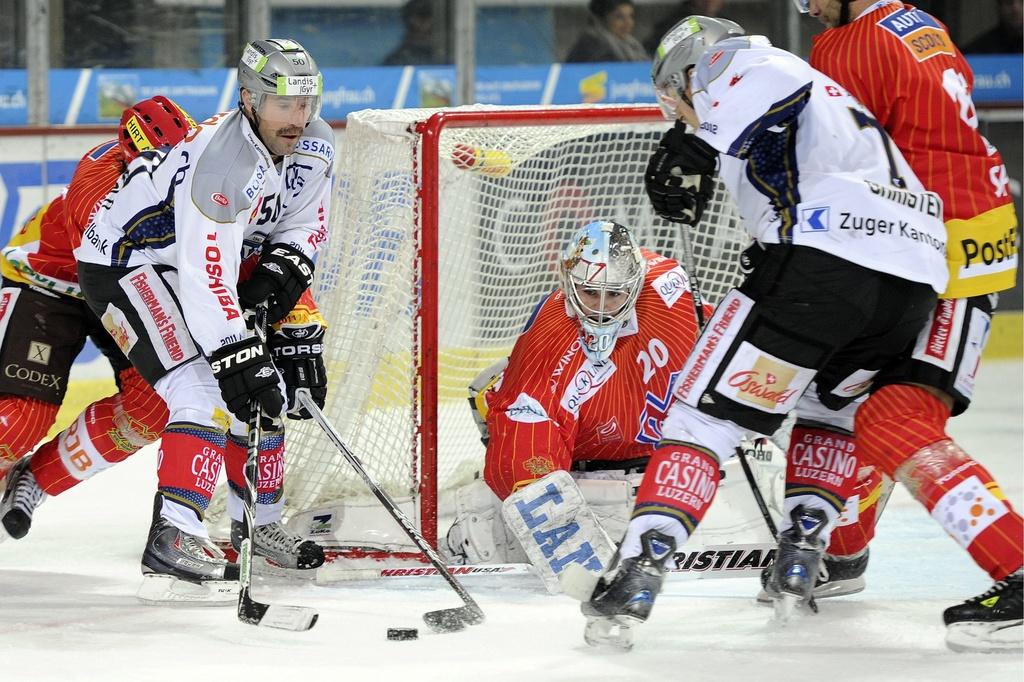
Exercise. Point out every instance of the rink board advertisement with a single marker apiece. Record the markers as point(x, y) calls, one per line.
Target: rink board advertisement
point(96, 96)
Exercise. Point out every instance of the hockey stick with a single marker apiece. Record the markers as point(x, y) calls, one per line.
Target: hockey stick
point(698, 308)
point(756, 490)
point(250, 611)
point(443, 620)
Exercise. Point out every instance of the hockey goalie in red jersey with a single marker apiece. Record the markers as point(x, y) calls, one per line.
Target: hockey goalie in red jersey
point(584, 390)
point(564, 397)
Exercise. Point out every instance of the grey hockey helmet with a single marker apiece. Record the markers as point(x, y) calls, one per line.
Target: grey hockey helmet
point(282, 67)
point(601, 274)
point(680, 49)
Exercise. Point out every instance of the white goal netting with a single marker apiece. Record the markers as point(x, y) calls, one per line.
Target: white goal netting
point(507, 200)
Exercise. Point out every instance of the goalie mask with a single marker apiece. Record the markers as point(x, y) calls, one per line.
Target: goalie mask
point(282, 79)
point(601, 274)
point(679, 50)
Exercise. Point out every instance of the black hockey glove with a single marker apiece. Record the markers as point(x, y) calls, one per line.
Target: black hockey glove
point(680, 176)
point(750, 257)
point(280, 277)
point(245, 372)
point(298, 353)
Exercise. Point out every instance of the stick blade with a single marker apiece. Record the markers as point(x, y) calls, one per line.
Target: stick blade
point(453, 620)
point(294, 618)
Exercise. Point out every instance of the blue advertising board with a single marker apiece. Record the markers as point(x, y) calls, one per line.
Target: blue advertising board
point(97, 96)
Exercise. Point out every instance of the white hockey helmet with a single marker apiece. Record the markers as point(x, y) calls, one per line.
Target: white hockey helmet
point(680, 49)
point(601, 273)
point(283, 68)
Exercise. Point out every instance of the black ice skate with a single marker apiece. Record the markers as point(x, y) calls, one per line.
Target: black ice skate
point(990, 622)
point(797, 562)
point(279, 547)
point(625, 595)
point(178, 567)
point(21, 497)
point(838, 576)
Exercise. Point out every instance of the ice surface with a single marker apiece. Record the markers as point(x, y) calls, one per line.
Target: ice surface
point(68, 611)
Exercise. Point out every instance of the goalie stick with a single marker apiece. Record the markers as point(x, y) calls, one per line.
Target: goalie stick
point(443, 620)
point(297, 618)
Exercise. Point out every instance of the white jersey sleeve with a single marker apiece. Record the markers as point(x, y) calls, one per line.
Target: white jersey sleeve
point(201, 210)
point(741, 93)
point(808, 165)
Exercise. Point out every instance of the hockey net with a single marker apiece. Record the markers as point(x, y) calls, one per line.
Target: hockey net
point(445, 234)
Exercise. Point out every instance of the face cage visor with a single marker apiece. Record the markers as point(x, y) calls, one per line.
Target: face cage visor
point(802, 6)
point(599, 325)
point(293, 94)
point(668, 101)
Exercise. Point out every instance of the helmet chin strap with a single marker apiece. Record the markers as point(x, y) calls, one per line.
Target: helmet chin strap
point(844, 12)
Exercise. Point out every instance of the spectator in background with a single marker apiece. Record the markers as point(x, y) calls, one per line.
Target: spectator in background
point(609, 38)
point(685, 8)
point(1006, 36)
point(417, 46)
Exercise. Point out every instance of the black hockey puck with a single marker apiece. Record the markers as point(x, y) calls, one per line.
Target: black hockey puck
point(402, 634)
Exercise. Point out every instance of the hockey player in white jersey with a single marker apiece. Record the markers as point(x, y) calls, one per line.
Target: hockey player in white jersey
point(851, 259)
point(160, 265)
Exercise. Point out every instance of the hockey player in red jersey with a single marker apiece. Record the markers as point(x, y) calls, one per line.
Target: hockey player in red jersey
point(902, 64)
point(576, 391)
point(44, 323)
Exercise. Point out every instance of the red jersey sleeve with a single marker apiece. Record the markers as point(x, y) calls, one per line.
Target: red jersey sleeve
point(531, 434)
point(95, 176)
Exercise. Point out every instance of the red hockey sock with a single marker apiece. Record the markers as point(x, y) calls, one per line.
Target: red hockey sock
point(680, 482)
point(902, 430)
point(191, 457)
point(23, 423)
point(269, 466)
point(895, 422)
point(821, 463)
point(856, 525)
point(963, 497)
point(107, 432)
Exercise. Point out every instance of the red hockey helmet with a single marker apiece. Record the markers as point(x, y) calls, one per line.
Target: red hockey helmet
point(152, 123)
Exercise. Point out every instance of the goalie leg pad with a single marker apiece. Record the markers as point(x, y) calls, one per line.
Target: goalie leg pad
point(478, 535)
point(609, 495)
point(556, 528)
